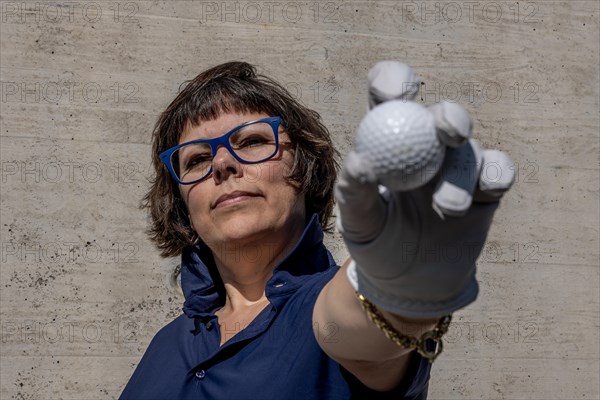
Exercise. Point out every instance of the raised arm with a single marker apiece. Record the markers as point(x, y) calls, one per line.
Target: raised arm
point(416, 198)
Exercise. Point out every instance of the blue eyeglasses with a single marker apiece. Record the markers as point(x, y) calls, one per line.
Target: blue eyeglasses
point(250, 143)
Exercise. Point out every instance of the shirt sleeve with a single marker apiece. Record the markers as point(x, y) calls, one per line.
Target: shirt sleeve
point(413, 387)
point(150, 379)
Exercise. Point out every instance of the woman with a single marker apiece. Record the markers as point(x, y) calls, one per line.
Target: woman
point(244, 182)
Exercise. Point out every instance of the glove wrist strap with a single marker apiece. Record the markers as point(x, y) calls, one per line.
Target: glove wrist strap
point(433, 336)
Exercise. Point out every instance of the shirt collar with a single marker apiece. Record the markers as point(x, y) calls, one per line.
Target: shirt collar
point(203, 288)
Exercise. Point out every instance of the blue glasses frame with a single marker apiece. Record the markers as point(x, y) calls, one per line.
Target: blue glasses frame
point(215, 143)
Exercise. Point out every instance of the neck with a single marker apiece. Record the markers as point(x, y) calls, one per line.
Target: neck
point(246, 267)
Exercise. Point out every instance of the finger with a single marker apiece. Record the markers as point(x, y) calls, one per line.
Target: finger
point(460, 174)
point(496, 177)
point(452, 122)
point(361, 208)
point(391, 80)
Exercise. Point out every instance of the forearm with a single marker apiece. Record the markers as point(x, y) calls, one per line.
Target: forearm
point(346, 334)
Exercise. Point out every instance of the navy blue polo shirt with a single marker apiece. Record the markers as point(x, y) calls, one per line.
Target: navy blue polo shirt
point(275, 357)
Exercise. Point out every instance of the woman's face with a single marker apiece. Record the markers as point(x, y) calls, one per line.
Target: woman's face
point(243, 203)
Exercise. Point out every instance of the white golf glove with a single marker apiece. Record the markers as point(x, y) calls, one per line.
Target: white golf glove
point(416, 199)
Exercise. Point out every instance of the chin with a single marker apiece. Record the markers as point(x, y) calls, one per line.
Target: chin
point(244, 226)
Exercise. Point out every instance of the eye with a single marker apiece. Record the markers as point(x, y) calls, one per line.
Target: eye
point(196, 160)
point(252, 141)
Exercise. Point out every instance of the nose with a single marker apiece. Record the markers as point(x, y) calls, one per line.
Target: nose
point(225, 165)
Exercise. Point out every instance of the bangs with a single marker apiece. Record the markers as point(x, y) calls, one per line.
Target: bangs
point(226, 96)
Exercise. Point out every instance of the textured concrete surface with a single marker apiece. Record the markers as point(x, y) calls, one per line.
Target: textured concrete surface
point(82, 289)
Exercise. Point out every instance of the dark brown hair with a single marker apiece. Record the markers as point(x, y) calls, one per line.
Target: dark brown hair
point(236, 87)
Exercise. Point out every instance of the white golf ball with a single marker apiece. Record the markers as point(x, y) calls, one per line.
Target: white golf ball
point(399, 139)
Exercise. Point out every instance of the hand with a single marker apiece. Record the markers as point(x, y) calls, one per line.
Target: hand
point(416, 198)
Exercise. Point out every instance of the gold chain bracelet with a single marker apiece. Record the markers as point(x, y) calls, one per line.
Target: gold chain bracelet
point(408, 342)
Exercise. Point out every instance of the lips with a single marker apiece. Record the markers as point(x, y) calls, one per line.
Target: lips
point(232, 198)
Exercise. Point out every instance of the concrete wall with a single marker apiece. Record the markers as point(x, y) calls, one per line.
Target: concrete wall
point(82, 289)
